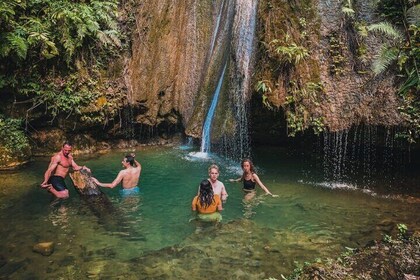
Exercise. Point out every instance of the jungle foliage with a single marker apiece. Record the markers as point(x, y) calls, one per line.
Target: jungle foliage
point(13, 140)
point(53, 56)
point(402, 52)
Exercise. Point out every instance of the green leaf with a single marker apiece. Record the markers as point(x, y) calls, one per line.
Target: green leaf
point(384, 59)
point(387, 29)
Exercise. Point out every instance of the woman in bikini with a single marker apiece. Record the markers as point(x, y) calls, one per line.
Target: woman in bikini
point(250, 179)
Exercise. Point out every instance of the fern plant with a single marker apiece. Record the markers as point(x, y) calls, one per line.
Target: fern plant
point(347, 9)
point(52, 52)
point(403, 51)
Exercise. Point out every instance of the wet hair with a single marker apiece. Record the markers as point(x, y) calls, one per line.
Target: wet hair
point(130, 160)
point(251, 169)
point(68, 143)
point(206, 195)
point(213, 166)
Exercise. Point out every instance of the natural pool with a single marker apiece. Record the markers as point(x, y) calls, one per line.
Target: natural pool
point(151, 236)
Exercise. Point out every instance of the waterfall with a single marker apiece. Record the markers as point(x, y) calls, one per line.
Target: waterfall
point(230, 53)
point(243, 45)
point(205, 141)
point(216, 29)
point(364, 155)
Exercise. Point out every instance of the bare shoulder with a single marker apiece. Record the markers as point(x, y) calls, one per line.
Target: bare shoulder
point(56, 157)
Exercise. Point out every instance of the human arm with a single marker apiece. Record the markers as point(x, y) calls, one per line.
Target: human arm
point(77, 167)
point(117, 180)
point(224, 193)
point(219, 205)
point(53, 165)
point(138, 165)
point(257, 179)
point(235, 180)
point(194, 204)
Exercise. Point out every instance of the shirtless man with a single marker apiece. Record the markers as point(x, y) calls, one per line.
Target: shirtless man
point(128, 177)
point(58, 170)
point(218, 187)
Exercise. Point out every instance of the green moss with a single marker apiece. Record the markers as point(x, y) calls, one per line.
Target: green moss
point(300, 101)
point(337, 53)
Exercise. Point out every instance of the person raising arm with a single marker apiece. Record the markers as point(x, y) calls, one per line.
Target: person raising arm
point(250, 179)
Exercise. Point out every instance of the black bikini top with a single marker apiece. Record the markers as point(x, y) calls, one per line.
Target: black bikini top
point(249, 185)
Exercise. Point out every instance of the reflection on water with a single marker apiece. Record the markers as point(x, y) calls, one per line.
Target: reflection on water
point(154, 235)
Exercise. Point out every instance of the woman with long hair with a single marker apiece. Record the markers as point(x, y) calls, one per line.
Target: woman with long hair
point(250, 179)
point(207, 203)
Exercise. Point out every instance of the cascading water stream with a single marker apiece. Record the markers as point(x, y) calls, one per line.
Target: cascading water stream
point(232, 41)
point(205, 141)
point(243, 45)
point(216, 29)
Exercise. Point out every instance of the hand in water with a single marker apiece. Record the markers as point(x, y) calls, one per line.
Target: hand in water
point(274, 195)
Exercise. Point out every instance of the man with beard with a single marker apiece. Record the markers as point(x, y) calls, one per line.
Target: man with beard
point(58, 170)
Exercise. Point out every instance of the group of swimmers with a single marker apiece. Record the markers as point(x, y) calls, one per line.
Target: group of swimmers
point(212, 193)
point(208, 202)
point(60, 165)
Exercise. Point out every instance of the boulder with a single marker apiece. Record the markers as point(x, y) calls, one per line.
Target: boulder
point(44, 248)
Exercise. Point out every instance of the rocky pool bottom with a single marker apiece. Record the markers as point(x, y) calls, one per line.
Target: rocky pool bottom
point(230, 251)
point(153, 236)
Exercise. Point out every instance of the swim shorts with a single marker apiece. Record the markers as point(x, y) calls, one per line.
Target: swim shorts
point(131, 191)
point(58, 183)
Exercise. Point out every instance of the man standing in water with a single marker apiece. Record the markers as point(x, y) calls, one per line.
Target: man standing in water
point(128, 177)
point(58, 169)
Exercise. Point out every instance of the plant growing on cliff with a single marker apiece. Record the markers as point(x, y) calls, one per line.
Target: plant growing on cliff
point(264, 89)
point(337, 48)
point(403, 53)
point(298, 100)
point(289, 52)
point(347, 8)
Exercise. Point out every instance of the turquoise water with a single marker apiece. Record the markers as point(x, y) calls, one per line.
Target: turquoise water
point(153, 236)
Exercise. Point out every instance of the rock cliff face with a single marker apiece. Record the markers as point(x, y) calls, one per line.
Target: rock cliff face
point(357, 95)
point(180, 47)
point(169, 51)
point(332, 83)
point(182, 52)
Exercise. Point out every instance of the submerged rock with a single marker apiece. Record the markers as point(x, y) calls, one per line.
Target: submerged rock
point(44, 248)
